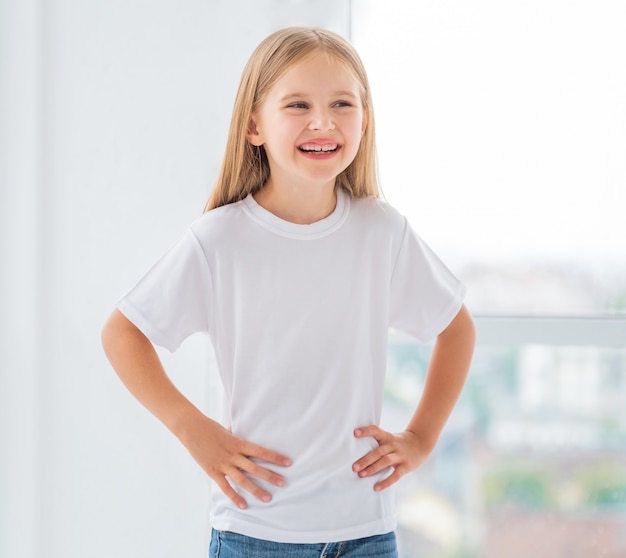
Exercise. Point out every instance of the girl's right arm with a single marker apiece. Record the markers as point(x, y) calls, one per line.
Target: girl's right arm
point(220, 454)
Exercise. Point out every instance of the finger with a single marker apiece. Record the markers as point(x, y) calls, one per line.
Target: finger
point(390, 480)
point(243, 481)
point(371, 431)
point(386, 461)
point(230, 492)
point(368, 459)
point(264, 454)
point(378, 434)
point(256, 470)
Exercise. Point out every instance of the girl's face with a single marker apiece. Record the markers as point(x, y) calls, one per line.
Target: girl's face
point(310, 123)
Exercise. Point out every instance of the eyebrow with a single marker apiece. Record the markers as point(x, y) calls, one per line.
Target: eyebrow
point(304, 95)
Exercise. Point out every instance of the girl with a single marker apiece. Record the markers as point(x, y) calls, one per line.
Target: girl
point(296, 271)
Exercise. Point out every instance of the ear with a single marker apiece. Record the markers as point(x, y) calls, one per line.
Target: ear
point(253, 134)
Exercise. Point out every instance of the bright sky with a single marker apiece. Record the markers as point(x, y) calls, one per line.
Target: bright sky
point(502, 125)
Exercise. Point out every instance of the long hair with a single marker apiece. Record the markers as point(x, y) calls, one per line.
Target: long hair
point(245, 167)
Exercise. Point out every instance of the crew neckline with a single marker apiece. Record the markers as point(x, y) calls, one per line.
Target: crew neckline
point(318, 229)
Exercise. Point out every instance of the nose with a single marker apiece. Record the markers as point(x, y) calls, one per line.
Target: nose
point(321, 120)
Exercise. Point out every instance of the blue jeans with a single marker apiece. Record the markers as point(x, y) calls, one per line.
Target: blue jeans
point(225, 544)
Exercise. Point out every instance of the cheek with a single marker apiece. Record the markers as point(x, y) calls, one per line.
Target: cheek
point(292, 128)
point(283, 132)
point(355, 127)
point(356, 133)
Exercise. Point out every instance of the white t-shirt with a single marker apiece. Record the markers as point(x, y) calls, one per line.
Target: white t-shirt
point(298, 316)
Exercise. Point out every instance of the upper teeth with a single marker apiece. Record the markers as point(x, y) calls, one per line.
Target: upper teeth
point(310, 147)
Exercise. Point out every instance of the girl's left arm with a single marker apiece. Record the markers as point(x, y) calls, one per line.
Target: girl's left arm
point(447, 371)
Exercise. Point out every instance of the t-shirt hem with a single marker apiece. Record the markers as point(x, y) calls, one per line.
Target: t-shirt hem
point(378, 527)
point(143, 324)
point(447, 315)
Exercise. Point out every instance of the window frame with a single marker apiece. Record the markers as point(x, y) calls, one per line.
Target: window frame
point(596, 330)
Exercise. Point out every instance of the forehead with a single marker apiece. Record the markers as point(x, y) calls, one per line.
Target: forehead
point(316, 72)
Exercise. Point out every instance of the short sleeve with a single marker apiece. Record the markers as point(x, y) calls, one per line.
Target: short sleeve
point(172, 300)
point(425, 295)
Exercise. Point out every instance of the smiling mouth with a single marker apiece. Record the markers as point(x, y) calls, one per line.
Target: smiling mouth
point(316, 148)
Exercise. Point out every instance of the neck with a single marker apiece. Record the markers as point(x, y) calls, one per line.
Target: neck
point(299, 205)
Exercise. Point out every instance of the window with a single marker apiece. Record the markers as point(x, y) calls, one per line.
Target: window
point(502, 136)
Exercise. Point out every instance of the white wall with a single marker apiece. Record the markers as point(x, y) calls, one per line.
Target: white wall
point(113, 118)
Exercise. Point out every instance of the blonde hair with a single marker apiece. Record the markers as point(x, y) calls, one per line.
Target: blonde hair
point(245, 168)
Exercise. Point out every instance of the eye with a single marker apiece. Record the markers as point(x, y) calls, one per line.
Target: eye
point(298, 106)
point(342, 104)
